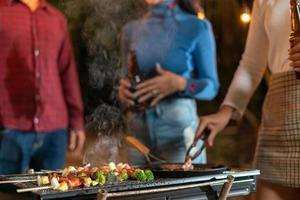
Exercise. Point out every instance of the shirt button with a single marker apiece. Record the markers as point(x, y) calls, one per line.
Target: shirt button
point(37, 74)
point(36, 52)
point(36, 120)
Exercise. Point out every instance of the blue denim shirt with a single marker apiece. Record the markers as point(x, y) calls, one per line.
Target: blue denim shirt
point(180, 42)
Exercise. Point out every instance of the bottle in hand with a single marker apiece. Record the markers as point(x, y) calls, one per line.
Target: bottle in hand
point(295, 24)
point(295, 21)
point(134, 77)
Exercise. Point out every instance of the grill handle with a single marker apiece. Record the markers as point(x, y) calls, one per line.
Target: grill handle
point(226, 188)
point(104, 195)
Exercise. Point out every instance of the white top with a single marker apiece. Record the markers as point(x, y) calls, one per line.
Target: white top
point(267, 46)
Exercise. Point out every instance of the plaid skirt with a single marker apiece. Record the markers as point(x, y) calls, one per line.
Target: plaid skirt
point(278, 148)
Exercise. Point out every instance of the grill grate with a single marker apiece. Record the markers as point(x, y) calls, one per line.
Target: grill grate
point(124, 186)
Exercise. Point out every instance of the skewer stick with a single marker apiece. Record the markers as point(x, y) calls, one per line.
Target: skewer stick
point(34, 189)
point(44, 171)
point(17, 181)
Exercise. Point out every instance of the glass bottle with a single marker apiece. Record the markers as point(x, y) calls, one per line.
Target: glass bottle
point(295, 24)
point(295, 21)
point(134, 77)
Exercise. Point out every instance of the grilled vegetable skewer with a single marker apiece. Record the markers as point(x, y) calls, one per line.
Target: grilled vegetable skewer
point(84, 177)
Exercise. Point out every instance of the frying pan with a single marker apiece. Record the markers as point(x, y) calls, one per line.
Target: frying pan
point(174, 170)
point(163, 169)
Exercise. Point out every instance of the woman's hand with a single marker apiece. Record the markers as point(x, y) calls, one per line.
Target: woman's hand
point(166, 83)
point(215, 123)
point(294, 55)
point(124, 95)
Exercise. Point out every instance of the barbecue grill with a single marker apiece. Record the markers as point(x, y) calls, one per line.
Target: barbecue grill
point(198, 187)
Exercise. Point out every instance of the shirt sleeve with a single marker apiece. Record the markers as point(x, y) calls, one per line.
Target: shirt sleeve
point(252, 65)
point(70, 83)
point(205, 83)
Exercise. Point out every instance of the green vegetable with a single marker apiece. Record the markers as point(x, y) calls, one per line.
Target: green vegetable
point(140, 175)
point(97, 175)
point(95, 182)
point(111, 177)
point(123, 176)
point(149, 174)
point(101, 179)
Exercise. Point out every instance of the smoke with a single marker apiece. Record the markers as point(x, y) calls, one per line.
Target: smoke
point(106, 121)
point(101, 34)
point(95, 26)
point(106, 128)
point(104, 150)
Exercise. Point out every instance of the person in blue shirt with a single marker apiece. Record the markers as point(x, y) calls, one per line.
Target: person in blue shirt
point(176, 55)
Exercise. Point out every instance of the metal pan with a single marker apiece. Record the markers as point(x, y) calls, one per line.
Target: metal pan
point(164, 169)
point(174, 170)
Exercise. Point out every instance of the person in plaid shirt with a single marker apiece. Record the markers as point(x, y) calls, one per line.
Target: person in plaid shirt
point(39, 88)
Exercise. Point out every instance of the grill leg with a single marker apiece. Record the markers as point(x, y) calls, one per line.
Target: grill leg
point(226, 188)
point(102, 195)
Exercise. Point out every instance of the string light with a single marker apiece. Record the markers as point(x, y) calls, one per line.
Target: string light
point(201, 15)
point(245, 16)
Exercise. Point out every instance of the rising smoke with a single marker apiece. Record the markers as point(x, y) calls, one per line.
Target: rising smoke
point(106, 128)
point(95, 26)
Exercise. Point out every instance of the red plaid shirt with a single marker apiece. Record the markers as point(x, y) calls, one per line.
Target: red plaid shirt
point(39, 87)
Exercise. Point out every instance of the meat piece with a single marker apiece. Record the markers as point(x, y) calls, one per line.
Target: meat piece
point(188, 165)
point(74, 182)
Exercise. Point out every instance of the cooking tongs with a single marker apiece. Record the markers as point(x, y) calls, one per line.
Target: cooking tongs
point(203, 137)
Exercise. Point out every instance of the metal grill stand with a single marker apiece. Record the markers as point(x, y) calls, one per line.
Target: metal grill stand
point(227, 184)
point(203, 187)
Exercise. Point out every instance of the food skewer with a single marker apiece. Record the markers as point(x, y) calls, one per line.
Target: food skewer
point(34, 189)
point(43, 171)
point(17, 181)
point(87, 176)
point(40, 180)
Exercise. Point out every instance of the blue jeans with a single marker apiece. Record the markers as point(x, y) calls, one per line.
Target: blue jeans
point(22, 150)
point(168, 129)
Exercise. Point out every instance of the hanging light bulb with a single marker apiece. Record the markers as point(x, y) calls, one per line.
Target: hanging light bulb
point(201, 15)
point(245, 16)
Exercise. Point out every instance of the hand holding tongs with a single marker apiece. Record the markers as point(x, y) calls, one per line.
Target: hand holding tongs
point(203, 137)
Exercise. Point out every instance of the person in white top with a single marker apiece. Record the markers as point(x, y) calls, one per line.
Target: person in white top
point(278, 147)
